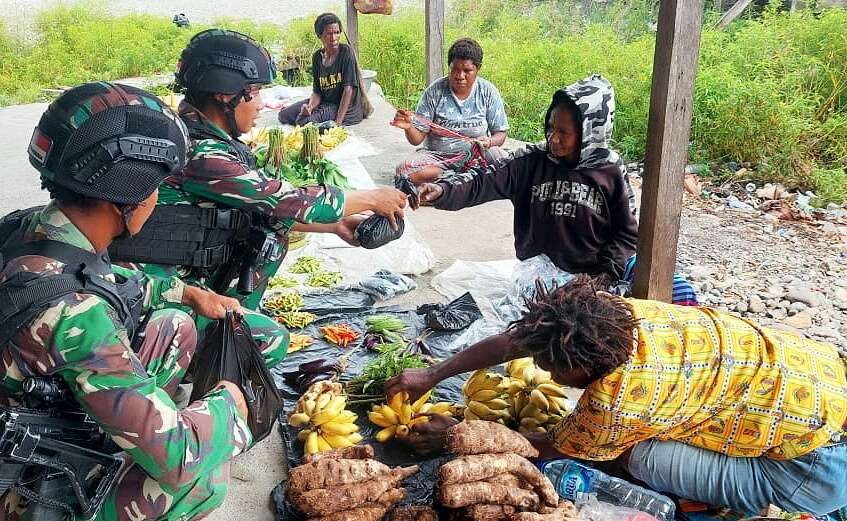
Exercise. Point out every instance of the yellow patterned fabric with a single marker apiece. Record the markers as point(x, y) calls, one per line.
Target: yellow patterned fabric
point(714, 381)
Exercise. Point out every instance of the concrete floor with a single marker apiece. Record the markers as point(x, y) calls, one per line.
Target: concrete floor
point(479, 234)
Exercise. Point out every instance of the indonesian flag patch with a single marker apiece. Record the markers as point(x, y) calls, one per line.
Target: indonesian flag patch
point(39, 146)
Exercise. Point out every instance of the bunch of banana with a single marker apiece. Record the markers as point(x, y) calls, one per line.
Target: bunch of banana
point(536, 402)
point(293, 139)
point(333, 137)
point(325, 422)
point(485, 397)
point(398, 416)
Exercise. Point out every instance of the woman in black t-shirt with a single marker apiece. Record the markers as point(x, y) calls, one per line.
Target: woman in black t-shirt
point(336, 95)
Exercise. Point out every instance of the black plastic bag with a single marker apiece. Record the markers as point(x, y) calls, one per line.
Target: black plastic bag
point(376, 231)
point(456, 315)
point(228, 352)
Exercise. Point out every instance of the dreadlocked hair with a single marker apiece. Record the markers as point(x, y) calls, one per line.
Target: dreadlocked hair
point(575, 327)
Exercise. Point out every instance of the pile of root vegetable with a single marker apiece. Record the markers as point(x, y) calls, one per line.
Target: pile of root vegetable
point(346, 485)
point(493, 480)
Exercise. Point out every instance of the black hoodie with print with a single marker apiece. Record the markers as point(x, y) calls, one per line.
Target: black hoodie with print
point(579, 216)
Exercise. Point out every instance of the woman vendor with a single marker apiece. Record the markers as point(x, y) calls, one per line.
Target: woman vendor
point(336, 93)
point(461, 120)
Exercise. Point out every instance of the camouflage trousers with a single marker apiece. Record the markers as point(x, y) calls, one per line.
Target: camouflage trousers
point(169, 345)
point(265, 329)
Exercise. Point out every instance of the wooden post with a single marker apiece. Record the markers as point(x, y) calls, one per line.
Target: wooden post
point(353, 27)
point(434, 40)
point(671, 100)
point(733, 13)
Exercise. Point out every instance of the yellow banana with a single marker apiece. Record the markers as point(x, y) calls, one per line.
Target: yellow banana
point(386, 434)
point(484, 395)
point(539, 430)
point(481, 410)
point(419, 420)
point(332, 410)
point(420, 401)
point(474, 382)
point(528, 374)
point(551, 389)
point(516, 385)
point(528, 410)
point(539, 399)
point(303, 435)
point(557, 405)
point(405, 414)
point(541, 377)
point(441, 408)
point(402, 431)
point(322, 401)
point(540, 417)
point(298, 419)
point(529, 422)
point(354, 438)
point(323, 445)
point(469, 415)
point(397, 401)
point(312, 446)
point(519, 401)
point(389, 414)
point(378, 419)
point(515, 367)
point(346, 417)
point(309, 407)
point(337, 442)
point(425, 408)
point(338, 428)
point(497, 404)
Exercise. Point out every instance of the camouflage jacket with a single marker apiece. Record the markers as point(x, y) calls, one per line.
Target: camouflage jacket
point(218, 174)
point(80, 339)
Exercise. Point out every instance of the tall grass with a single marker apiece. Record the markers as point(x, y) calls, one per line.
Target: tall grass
point(771, 90)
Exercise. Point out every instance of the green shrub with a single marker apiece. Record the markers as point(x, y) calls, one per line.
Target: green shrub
point(771, 91)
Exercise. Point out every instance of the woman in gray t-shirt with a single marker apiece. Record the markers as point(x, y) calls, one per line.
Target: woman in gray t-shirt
point(461, 104)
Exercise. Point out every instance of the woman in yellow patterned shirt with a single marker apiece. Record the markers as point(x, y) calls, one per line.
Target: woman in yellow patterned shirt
point(697, 403)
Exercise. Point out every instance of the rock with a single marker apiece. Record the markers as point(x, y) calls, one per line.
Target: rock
point(699, 273)
point(825, 332)
point(777, 313)
point(784, 304)
point(803, 293)
point(776, 291)
point(797, 307)
point(742, 307)
point(840, 294)
point(800, 321)
point(756, 305)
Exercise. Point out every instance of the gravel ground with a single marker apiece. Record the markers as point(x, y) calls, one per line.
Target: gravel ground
point(18, 14)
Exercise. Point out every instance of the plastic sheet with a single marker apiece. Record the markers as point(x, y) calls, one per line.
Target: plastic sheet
point(337, 301)
point(442, 344)
point(385, 284)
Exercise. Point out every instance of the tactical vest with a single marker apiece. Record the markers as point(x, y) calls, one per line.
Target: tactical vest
point(25, 295)
point(209, 240)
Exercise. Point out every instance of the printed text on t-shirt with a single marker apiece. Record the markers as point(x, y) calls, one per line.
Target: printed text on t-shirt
point(565, 196)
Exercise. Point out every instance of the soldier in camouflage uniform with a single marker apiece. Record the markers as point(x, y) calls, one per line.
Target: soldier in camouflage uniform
point(221, 73)
point(180, 456)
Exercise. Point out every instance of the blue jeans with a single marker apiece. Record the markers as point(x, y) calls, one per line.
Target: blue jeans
point(814, 483)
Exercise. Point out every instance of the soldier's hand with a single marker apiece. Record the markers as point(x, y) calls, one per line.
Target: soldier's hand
point(208, 303)
point(390, 203)
point(346, 228)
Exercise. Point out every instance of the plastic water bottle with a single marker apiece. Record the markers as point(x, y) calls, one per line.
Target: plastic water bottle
point(574, 482)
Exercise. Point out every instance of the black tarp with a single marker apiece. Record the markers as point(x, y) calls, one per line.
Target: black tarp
point(442, 344)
